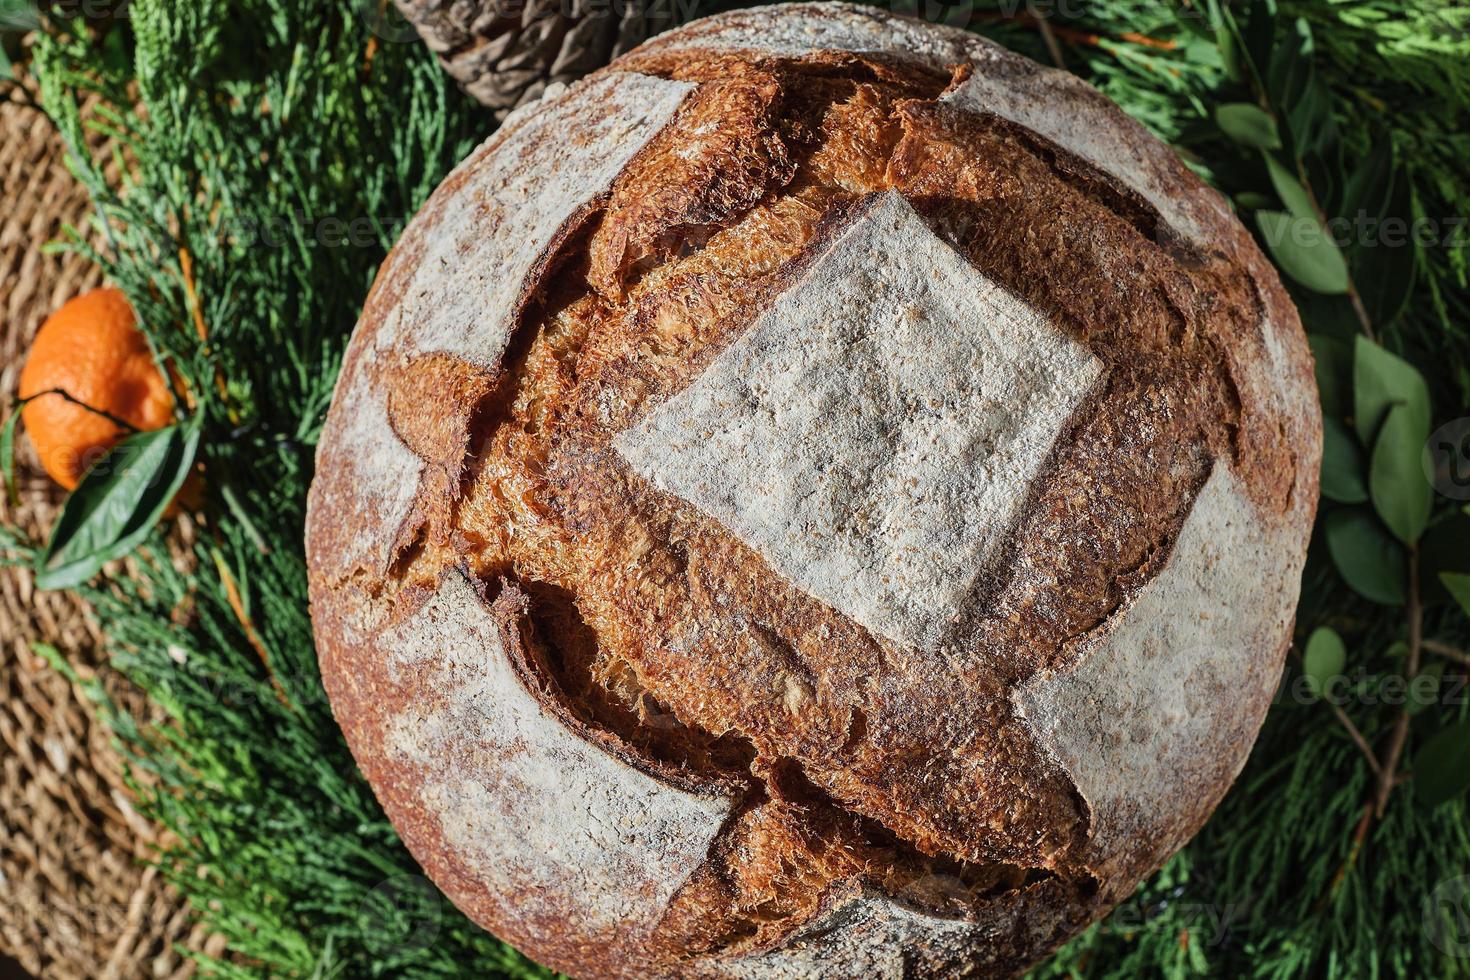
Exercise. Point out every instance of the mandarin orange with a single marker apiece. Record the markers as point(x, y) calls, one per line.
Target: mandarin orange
point(92, 350)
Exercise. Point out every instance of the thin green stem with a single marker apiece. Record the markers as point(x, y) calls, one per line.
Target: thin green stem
point(1388, 775)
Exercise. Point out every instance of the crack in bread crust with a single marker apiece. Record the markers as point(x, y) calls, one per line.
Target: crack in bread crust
point(783, 816)
point(629, 555)
point(861, 762)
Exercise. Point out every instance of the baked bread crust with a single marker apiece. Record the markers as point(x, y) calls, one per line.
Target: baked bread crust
point(824, 495)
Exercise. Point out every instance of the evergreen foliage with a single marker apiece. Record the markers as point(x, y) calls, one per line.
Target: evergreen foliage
point(258, 134)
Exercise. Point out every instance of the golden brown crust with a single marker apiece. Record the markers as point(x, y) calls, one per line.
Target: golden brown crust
point(897, 793)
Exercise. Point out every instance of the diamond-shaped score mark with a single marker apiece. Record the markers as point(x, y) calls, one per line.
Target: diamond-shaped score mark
point(875, 432)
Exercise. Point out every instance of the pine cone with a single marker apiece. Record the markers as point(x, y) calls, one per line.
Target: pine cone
point(505, 52)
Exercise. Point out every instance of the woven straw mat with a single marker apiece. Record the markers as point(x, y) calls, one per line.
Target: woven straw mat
point(76, 897)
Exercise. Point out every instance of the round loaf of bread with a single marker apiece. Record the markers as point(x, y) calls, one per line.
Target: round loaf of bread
point(824, 496)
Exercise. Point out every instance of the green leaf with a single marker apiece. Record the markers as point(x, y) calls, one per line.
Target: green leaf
point(1445, 547)
point(1304, 101)
point(1303, 250)
point(1386, 254)
point(1424, 688)
point(1248, 125)
point(1229, 53)
point(1311, 125)
point(1442, 766)
point(1401, 495)
point(1323, 659)
point(1457, 584)
point(1323, 177)
point(1381, 380)
point(18, 16)
point(1369, 185)
point(1298, 202)
point(1258, 38)
point(1290, 65)
point(1343, 464)
point(117, 503)
point(1369, 559)
point(7, 455)
point(1253, 200)
point(1333, 365)
point(1335, 317)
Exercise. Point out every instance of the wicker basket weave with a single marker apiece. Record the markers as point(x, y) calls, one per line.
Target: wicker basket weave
point(76, 899)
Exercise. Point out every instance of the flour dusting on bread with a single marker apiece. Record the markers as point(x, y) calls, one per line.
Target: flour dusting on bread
point(498, 228)
point(873, 436)
point(544, 817)
point(1062, 108)
point(368, 476)
point(1176, 672)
